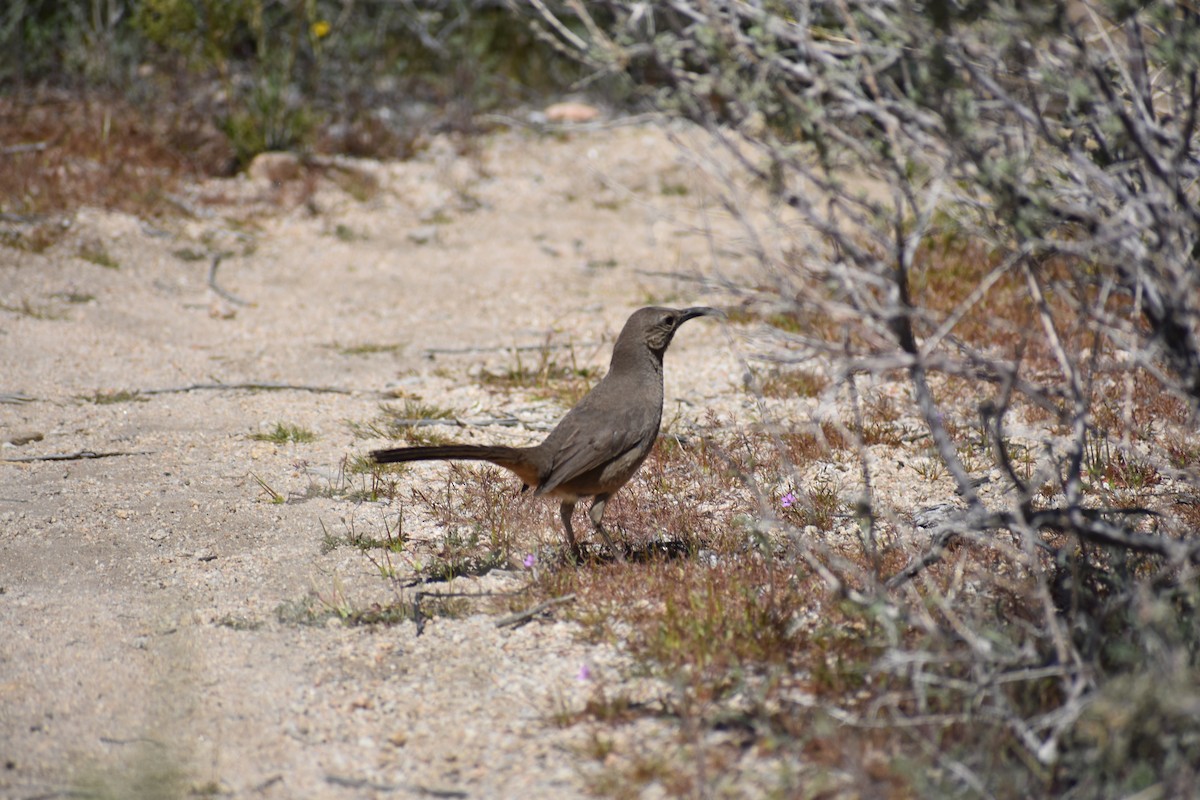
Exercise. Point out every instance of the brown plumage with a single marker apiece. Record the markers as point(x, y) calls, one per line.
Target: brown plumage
point(601, 442)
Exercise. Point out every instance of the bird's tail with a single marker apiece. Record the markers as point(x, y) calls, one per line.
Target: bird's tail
point(448, 452)
point(511, 458)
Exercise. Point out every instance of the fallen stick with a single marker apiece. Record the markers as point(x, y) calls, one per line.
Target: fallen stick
point(78, 455)
point(463, 422)
point(529, 613)
point(263, 385)
point(212, 283)
point(25, 147)
point(15, 398)
point(521, 348)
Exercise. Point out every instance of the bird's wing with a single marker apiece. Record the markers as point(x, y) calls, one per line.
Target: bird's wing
point(595, 442)
point(586, 454)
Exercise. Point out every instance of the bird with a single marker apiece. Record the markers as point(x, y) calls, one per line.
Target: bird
point(602, 441)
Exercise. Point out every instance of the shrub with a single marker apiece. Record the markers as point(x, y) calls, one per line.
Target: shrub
point(996, 201)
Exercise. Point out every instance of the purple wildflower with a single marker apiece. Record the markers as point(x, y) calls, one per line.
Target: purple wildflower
point(787, 500)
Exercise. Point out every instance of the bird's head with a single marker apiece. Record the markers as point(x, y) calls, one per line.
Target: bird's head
point(654, 327)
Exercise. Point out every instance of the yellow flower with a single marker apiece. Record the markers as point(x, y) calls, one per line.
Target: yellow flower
point(320, 29)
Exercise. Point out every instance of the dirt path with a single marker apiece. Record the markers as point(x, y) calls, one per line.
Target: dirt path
point(152, 603)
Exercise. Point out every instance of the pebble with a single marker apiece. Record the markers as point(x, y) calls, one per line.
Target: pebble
point(423, 235)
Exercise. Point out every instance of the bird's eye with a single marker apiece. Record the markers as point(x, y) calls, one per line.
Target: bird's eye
point(669, 319)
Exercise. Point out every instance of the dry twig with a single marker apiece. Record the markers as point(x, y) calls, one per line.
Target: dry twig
point(521, 617)
point(212, 283)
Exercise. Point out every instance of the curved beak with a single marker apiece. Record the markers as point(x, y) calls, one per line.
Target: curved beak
point(698, 311)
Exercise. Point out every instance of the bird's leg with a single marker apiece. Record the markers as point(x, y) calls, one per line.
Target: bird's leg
point(596, 513)
point(565, 511)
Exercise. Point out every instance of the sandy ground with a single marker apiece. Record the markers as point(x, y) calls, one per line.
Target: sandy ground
point(144, 596)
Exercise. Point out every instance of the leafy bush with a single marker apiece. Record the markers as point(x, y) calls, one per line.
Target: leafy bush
point(995, 202)
point(363, 78)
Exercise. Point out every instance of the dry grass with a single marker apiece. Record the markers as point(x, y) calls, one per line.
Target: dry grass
point(543, 375)
point(64, 152)
point(703, 624)
point(407, 421)
point(787, 383)
point(756, 647)
point(749, 648)
point(804, 446)
point(917, 694)
point(758, 653)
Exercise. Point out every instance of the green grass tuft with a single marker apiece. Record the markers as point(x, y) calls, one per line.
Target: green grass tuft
point(119, 396)
point(96, 254)
point(283, 433)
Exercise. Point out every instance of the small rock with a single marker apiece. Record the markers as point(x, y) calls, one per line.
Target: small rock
point(219, 309)
point(158, 535)
point(571, 112)
point(423, 234)
point(274, 167)
point(935, 515)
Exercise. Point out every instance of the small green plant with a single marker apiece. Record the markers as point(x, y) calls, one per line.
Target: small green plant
point(363, 465)
point(96, 254)
point(364, 480)
point(76, 298)
point(425, 436)
point(37, 239)
point(405, 422)
point(307, 610)
point(819, 505)
point(930, 468)
point(152, 770)
point(345, 233)
point(393, 540)
point(285, 432)
point(337, 604)
point(236, 622)
point(118, 396)
point(386, 614)
point(27, 309)
point(415, 409)
point(329, 541)
point(1109, 468)
point(267, 122)
point(189, 255)
point(273, 496)
point(367, 349)
point(546, 377)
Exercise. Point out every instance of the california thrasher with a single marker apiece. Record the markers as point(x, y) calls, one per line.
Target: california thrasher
point(602, 441)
